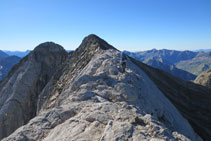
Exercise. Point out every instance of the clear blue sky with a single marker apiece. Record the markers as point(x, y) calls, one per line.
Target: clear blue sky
point(126, 24)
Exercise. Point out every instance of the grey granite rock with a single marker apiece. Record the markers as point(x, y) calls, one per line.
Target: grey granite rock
point(20, 89)
point(89, 98)
point(91, 102)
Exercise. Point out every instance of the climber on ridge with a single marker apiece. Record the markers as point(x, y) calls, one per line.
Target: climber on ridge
point(123, 60)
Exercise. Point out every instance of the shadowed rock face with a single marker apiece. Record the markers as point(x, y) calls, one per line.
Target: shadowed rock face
point(193, 101)
point(19, 91)
point(204, 79)
point(88, 98)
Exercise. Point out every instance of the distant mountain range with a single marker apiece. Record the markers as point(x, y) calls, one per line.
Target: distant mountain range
point(17, 53)
point(3, 55)
point(21, 53)
point(199, 63)
point(183, 64)
point(9, 58)
point(204, 50)
point(6, 63)
point(170, 69)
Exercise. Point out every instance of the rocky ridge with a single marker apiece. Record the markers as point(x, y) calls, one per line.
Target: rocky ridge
point(20, 89)
point(88, 98)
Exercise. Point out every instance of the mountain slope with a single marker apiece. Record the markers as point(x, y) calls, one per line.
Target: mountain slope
point(193, 101)
point(170, 56)
point(165, 60)
point(204, 79)
point(3, 55)
point(17, 53)
point(198, 64)
point(6, 64)
point(170, 69)
point(188, 61)
point(90, 99)
point(20, 89)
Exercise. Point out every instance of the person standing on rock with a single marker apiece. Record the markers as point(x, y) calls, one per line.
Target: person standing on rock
point(123, 61)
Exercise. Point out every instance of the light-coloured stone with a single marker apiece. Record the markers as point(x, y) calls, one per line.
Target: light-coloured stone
point(105, 104)
point(19, 91)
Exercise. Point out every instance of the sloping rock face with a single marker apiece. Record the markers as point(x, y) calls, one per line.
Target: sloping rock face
point(20, 89)
point(204, 79)
point(90, 99)
point(192, 100)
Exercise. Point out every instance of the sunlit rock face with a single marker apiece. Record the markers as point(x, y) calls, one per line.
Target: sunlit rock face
point(89, 98)
point(19, 91)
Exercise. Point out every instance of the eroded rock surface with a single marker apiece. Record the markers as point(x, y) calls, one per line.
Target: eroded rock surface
point(90, 99)
point(20, 89)
point(192, 100)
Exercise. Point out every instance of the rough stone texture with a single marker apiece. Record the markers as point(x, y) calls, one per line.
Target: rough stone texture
point(74, 63)
point(204, 79)
point(90, 99)
point(20, 89)
point(192, 100)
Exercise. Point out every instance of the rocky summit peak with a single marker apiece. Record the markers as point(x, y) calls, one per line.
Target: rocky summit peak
point(92, 41)
point(93, 36)
point(49, 47)
point(27, 80)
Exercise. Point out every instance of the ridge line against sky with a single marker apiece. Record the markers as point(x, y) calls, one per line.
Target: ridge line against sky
point(132, 25)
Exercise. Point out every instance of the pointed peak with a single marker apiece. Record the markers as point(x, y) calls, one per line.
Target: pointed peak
point(93, 36)
point(93, 40)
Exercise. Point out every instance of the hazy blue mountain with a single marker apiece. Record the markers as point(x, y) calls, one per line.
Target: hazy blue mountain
point(170, 69)
point(204, 50)
point(197, 65)
point(188, 61)
point(3, 54)
point(18, 53)
point(170, 56)
point(22, 53)
point(6, 64)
